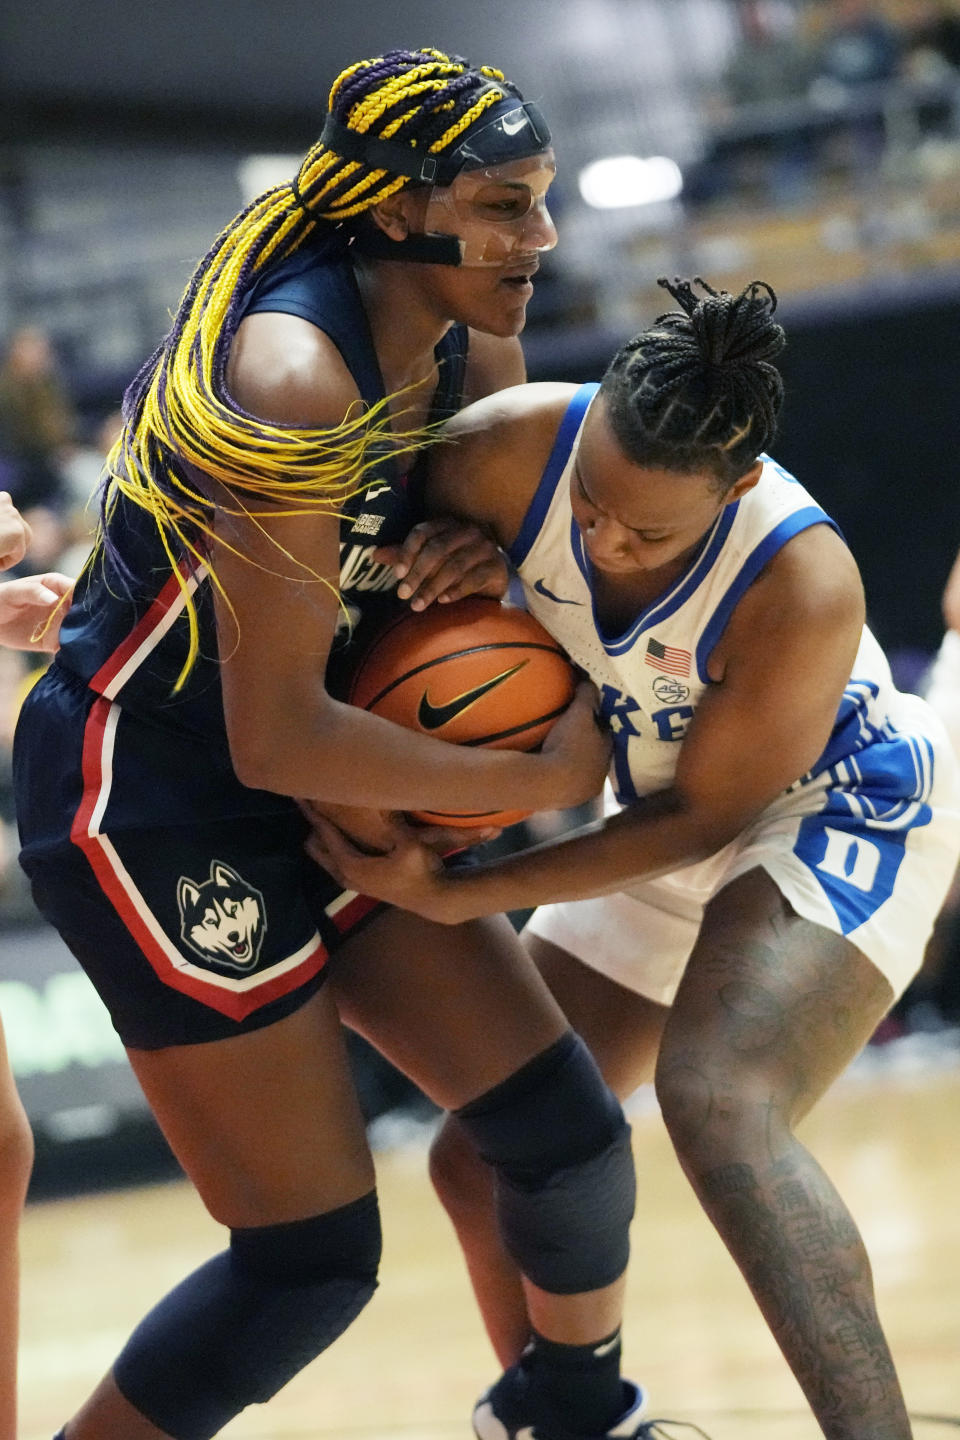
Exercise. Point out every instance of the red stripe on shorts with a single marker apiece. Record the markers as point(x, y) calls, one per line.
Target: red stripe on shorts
point(234, 997)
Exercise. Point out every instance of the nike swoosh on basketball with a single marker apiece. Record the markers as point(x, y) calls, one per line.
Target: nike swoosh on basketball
point(541, 589)
point(431, 717)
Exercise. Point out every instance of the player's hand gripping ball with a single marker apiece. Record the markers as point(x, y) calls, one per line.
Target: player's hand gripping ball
point(474, 673)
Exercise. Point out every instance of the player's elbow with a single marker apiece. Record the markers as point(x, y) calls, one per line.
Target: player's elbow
point(274, 748)
point(711, 826)
point(254, 763)
point(254, 752)
point(708, 833)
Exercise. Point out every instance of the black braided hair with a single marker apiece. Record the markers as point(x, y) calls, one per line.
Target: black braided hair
point(697, 391)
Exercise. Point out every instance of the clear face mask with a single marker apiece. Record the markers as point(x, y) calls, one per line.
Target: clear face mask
point(485, 199)
point(498, 212)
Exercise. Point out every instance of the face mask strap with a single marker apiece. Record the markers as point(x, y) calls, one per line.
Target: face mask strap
point(420, 249)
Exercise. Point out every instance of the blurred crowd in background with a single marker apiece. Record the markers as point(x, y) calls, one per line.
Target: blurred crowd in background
point(821, 147)
point(815, 142)
point(50, 464)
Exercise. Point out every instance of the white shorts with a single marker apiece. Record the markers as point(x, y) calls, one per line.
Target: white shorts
point(867, 850)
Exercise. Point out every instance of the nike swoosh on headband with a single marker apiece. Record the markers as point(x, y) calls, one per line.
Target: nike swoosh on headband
point(432, 717)
point(541, 589)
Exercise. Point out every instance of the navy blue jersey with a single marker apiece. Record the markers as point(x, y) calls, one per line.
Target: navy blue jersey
point(126, 637)
point(187, 896)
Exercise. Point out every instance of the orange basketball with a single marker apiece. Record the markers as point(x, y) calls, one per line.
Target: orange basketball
point(475, 673)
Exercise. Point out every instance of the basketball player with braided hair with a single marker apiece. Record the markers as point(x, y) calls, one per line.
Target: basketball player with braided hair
point(784, 830)
point(270, 447)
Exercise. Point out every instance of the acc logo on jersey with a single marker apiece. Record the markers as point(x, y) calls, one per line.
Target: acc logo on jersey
point(223, 918)
point(670, 691)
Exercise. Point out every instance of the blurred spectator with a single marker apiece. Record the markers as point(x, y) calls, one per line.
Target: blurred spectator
point(858, 45)
point(772, 64)
point(62, 522)
point(759, 149)
point(858, 54)
point(38, 421)
point(62, 529)
point(84, 466)
point(932, 40)
point(932, 61)
point(82, 474)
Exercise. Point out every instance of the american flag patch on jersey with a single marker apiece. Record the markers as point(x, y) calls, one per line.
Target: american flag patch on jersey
point(667, 658)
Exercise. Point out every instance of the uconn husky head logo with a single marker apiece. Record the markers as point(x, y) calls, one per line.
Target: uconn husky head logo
point(222, 918)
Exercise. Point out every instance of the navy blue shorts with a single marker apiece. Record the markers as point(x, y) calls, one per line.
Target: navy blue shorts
point(190, 930)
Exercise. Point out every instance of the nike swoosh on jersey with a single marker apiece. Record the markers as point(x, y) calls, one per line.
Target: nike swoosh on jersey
point(541, 589)
point(432, 717)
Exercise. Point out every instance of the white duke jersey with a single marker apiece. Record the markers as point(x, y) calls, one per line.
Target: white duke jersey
point(865, 845)
point(651, 675)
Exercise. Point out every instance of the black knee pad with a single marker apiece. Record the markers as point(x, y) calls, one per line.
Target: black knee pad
point(236, 1330)
point(565, 1188)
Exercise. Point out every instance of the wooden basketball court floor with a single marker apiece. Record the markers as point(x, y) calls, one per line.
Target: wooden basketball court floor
point(411, 1366)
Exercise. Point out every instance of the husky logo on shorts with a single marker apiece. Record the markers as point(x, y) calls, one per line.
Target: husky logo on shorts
point(222, 918)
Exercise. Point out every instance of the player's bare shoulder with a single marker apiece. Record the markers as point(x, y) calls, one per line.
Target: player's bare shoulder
point(817, 576)
point(284, 369)
point(491, 455)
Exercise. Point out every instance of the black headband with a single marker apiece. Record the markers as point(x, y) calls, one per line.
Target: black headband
point(488, 142)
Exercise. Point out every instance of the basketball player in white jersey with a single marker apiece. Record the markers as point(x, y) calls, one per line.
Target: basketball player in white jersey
point(784, 828)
